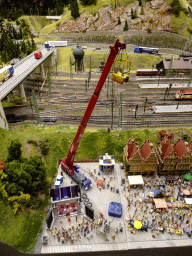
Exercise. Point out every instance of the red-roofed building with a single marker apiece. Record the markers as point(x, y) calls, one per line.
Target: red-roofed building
point(175, 67)
point(190, 146)
point(173, 159)
point(140, 161)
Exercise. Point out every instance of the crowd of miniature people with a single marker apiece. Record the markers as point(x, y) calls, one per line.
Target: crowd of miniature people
point(82, 229)
point(174, 219)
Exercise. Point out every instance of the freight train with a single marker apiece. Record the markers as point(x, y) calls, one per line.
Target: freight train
point(149, 50)
point(49, 44)
point(6, 73)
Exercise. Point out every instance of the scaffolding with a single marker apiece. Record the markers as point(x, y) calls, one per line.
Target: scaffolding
point(120, 119)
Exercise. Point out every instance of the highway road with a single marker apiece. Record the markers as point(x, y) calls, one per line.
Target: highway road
point(22, 70)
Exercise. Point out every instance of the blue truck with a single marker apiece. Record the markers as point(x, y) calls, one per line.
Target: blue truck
point(149, 50)
point(79, 177)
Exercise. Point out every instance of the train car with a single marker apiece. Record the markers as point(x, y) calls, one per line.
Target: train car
point(149, 50)
point(6, 73)
point(147, 72)
point(183, 95)
point(49, 44)
point(38, 54)
point(186, 55)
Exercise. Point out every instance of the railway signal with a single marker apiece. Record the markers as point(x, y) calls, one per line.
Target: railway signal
point(136, 111)
point(189, 82)
point(145, 104)
point(178, 104)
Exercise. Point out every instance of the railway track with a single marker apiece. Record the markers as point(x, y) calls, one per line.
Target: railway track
point(71, 101)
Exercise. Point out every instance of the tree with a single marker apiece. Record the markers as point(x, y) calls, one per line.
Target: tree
point(142, 11)
point(25, 28)
point(176, 7)
point(14, 151)
point(126, 26)
point(88, 2)
point(119, 21)
point(74, 9)
point(140, 2)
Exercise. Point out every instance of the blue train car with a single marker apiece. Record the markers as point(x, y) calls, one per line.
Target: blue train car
point(140, 49)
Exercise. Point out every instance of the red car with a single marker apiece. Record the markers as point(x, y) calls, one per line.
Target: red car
point(38, 54)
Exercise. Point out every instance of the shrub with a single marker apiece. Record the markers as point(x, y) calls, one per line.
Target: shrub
point(44, 147)
point(119, 21)
point(126, 26)
point(149, 30)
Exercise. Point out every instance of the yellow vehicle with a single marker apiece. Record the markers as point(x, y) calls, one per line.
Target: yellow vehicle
point(6, 73)
point(122, 66)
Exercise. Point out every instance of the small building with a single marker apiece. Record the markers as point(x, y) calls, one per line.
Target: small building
point(160, 203)
point(140, 161)
point(173, 159)
point(175, 67)
point(107, 163)
point(135, 180)
point(166, 156)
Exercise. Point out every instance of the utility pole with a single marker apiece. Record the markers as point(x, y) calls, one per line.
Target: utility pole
point(36, 107)
point(120, 119)
point(145, 104)
point(136, 111)
point(49, 82)
point(166, 91)
point(190, 78)
point(107, 86)
point(71, 71)
point(170, 85)
point(178, 105)
point(170, 64)
point(112, 105)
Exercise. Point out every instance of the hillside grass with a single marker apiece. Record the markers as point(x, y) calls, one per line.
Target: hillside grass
point(36, 22)
point(137, 61)
point(42, 40)
point(48, 29)
point(23, 229)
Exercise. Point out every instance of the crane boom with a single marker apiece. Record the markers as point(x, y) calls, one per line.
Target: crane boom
point(67, 163)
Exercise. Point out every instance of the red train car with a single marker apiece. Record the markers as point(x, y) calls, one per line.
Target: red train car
point(183, 95)
point(147, 72)
point(38, 54)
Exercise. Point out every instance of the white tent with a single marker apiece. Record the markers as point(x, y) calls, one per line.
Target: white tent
point(135, 180)
point(188, 200)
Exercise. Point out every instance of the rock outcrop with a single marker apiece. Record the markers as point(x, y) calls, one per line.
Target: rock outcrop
point(155, 15)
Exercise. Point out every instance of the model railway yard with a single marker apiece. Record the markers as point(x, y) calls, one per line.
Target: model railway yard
point(69, 97)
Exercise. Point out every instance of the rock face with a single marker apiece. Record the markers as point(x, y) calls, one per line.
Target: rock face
point(155, 16)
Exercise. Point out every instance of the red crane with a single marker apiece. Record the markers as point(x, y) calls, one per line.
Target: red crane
point(67, 163)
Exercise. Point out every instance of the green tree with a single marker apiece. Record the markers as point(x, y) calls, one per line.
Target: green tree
point(25, 28)
point(126, 26)
point(44, 147)
point(119, 21)
point(142, 11)
point(14, 151)
point(140, 2)
point(176, 7)
point(88, 2)
point(74, 9)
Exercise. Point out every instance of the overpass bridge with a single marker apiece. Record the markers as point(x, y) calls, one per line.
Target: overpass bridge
point(22, 70)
